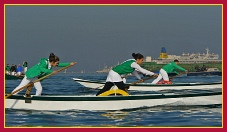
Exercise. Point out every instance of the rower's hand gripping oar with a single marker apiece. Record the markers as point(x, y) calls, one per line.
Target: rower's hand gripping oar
point(39, 80)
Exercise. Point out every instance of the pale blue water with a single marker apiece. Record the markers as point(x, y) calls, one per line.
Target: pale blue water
point(163, 116)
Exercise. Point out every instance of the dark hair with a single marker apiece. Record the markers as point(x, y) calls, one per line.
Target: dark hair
point(53, 58)
point(137, 56)
point(176, 60)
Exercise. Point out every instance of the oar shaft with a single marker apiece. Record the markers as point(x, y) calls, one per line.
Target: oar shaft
point(52, 73)
point(17, 90)
point(171, 78)
point(134, 83)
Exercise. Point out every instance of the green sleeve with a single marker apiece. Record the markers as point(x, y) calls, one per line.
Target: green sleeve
point(175, 71)
point(63, 64)
point(178, 67)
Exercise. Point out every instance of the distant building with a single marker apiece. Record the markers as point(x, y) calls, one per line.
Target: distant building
point(148, 59)
point(104, 70)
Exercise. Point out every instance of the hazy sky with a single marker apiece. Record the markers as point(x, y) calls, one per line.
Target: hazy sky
point(95, 36)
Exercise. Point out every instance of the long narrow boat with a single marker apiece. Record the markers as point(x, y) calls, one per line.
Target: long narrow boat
point(13, 77)
point(208, 72)
point(205, 73)
point(152, 87)
point(92, 102)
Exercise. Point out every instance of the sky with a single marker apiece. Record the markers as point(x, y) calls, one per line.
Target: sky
point(98, 36)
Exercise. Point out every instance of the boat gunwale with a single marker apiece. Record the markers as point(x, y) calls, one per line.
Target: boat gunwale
point(13, 77)
point(149, 84)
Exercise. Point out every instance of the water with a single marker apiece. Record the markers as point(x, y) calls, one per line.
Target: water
point(162, 116)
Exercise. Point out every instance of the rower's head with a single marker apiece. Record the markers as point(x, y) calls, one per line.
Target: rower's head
point(138, 57)
point(176, 61)
point(54, 60)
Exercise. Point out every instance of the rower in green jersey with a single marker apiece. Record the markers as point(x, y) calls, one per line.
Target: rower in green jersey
point(41, 69)
point(170, 67)
point(127, 67)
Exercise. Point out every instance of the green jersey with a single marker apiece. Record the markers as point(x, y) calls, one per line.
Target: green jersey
point(42, 68)
point(125, 67)
point(171, 67)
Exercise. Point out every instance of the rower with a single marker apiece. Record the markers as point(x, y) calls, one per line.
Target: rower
point(127, 67)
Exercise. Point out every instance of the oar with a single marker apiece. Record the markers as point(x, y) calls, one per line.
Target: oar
point(171, 79)
point(134, 83)
point(36, 81)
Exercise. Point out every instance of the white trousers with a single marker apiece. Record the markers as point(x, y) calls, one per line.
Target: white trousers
point(162, 74)
point(26, 81)
point(25, 69)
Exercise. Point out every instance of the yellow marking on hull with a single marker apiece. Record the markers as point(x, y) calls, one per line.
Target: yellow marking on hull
point(115, 92)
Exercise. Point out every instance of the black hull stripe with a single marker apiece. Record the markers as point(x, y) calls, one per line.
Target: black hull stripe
point(112, 98)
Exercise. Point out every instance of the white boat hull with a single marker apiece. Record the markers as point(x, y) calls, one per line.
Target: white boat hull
point(61, 103)
point(153, 87)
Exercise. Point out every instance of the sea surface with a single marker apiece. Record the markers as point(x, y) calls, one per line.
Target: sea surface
point(162, 116)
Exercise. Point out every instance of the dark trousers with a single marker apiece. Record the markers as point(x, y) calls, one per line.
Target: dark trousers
point(108, 86)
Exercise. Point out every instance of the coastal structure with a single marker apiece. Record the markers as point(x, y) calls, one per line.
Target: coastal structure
point(186, 58)
point(104, 70)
